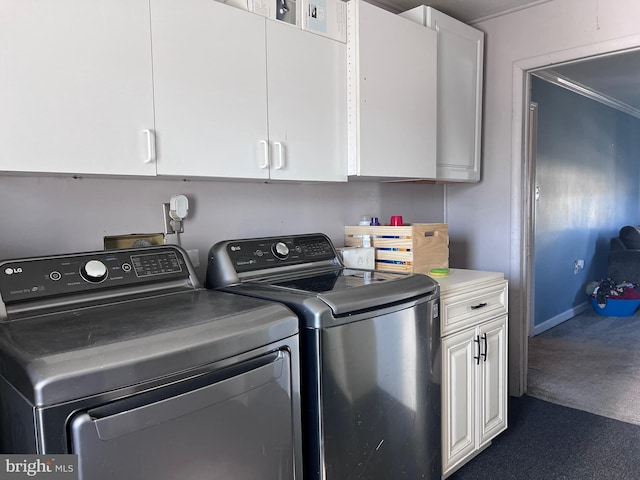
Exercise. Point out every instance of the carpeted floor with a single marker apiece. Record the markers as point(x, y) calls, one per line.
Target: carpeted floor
point(591, 363)
point(546, 441)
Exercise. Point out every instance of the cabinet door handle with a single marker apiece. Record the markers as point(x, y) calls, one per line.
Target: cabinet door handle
point(151, 146)
point(484, 355)
point(477, 358)
point(280, 164)
point(480, 305)
point(265, 157)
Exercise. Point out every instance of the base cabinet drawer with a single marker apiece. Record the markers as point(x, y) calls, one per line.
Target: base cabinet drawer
point(465, 309)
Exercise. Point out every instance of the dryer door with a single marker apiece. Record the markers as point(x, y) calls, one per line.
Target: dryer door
point(234, 423)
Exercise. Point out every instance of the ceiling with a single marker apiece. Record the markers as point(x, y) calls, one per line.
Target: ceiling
point(611, 79)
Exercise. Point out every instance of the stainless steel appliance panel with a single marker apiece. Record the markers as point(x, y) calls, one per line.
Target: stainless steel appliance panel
point(212, 427)
point(68, 355)
point(377, 377)
point(369, 352)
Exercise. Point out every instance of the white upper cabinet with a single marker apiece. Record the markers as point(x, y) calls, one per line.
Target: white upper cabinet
point(392, 95)
point(307, 104)
point(209, 74)
point(235, 95)
point(460, 70)
point(76, 91)
point(240, 96)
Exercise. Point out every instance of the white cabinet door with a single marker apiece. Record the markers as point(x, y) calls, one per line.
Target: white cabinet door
point(210, 89)
point(459, 398)
point(460, 71)
point(493, 379)
point(474, 392)
point(474, 397)
point(239, 96)
point(392, 95)
point(76, 90)
point(307, 83)
point(460, 57)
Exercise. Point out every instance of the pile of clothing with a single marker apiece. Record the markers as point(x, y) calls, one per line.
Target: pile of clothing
point(608, 288)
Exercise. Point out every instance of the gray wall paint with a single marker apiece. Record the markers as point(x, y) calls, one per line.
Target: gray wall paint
point(587, 171)
point(51, 215)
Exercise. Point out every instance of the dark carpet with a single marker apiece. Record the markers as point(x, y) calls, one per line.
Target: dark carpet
point(546, 441)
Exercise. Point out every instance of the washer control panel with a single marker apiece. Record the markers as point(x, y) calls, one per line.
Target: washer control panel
point(31, 279)
point(261, 253)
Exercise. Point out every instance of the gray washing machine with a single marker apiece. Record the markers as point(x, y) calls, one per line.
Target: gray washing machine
point(122, 358)
point(370, 354)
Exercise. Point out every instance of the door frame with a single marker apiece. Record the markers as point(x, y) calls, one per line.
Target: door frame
point(530, 198)
point(522, 178)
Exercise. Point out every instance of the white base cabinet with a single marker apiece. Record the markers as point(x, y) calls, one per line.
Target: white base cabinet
point(460, 71)
point(474, 363)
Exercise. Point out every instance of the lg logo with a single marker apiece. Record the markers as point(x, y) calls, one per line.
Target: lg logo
point(11, 271)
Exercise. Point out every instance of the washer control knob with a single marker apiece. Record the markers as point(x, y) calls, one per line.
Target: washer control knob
point(94, 271)
point(280, 250)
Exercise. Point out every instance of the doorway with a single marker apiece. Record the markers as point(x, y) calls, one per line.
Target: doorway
point(592, 139)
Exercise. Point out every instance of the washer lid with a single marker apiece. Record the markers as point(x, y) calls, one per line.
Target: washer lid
point(73, 354)
point(349, 290)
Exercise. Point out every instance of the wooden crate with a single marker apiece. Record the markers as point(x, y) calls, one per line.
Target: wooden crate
point(414, 248)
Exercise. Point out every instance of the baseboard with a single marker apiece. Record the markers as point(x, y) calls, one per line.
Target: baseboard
point(558, 319)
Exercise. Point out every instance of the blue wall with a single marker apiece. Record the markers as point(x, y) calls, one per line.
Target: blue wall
point(587, 168)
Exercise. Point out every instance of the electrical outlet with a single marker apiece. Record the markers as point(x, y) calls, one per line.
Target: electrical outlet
point(168, 227)
point(578, 265)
